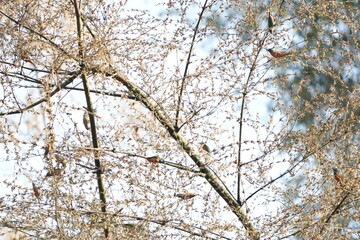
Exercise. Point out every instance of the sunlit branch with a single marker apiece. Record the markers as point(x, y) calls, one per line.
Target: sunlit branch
point(179, 166)
point(84, 21)
point(222, 183)
point(290, 235)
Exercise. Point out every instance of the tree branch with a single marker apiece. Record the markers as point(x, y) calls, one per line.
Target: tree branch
point(287, 171)
point(33, 80)
point(171, 164)
point(209, 176)
point(52, 93)
point(91, 114)
point(335, 211)
point(182, 89)
point(245, 92)
point(164, 223)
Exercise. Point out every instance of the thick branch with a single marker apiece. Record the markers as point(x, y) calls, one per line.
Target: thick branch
point(209, 176)
point(91, 113)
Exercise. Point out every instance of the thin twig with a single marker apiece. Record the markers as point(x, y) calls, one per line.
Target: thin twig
point(179, 166)
point(37, 33)
point(335, 211)
point(36, 70)
point(287, 171)
point(182, 89)
point(245, 92)
point(165, 222)
point(57, 89)
point(33, 80)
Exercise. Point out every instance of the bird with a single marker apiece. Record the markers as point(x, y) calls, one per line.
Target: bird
point(205, 147)
point(185, 196)
point(26, 58)
point(60, 159)
point(270, 23)
point(36, 190)
point(86, 120)
point(337, 177)
point(46, 150)
point(129, 225)
point(277, 54)
point(153, 159)
point(57, 172)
